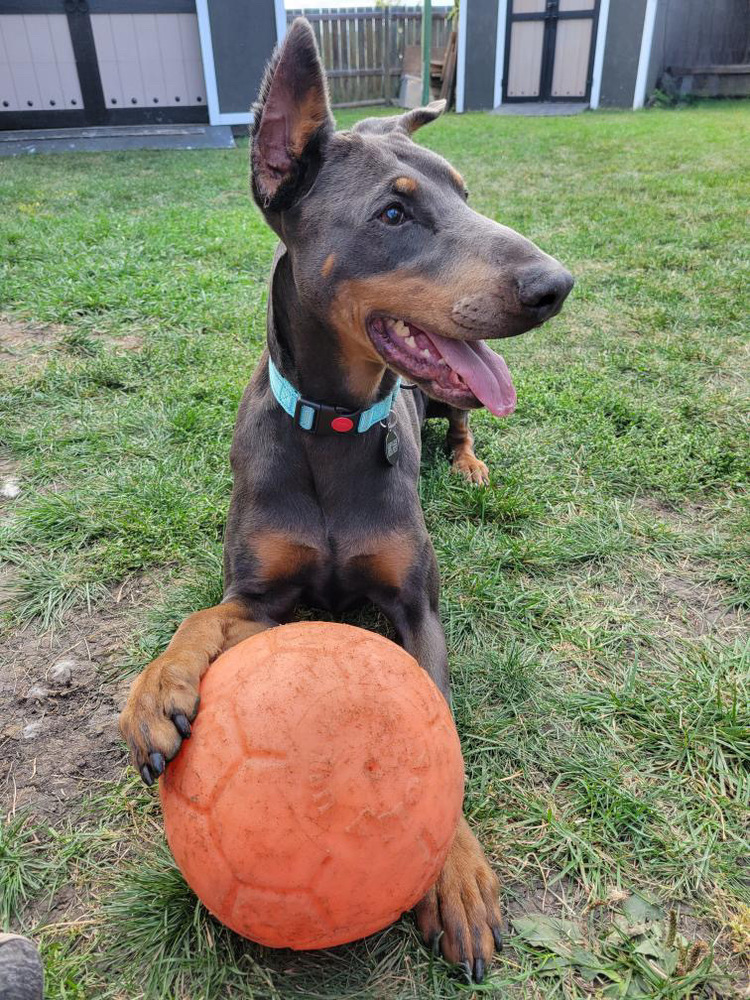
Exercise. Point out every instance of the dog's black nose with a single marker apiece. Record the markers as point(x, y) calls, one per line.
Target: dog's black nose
point(543, 291)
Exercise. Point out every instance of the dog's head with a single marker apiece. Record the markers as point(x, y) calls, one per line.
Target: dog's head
point(384, 248)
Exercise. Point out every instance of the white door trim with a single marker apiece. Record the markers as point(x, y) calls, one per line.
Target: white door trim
point(209, 67)
point(215, 115)
point(461, 61)
point(280, 20)
point(601, 42)
point(647, 39)
point(502, 22)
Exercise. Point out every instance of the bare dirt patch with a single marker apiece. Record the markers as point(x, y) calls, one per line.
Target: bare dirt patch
point(29, 345)
point(10, 490)
point(565, 901)
point(678, 602)
point(58, 725)
point(697, 607)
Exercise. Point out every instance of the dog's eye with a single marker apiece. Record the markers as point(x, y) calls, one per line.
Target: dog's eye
point(394, 215)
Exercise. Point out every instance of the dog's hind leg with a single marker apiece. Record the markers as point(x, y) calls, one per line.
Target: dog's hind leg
point(163, 700)
point(461, 443)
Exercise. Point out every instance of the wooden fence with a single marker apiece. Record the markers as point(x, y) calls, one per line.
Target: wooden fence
point(695, 33)
point(363, 48)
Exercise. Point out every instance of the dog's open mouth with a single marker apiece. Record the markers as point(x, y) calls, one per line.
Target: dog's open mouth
point(463, 373)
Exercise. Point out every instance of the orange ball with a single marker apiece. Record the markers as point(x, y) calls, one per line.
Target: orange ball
point(319, 793)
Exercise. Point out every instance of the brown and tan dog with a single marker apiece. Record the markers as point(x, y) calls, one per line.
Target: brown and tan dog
point(383, 271)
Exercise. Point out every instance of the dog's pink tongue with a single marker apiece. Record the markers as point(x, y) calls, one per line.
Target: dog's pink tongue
point(485, 372)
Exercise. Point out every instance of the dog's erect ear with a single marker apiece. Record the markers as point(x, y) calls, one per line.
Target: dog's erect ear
point(408, 122)
point(290, 119)
point(418, 117)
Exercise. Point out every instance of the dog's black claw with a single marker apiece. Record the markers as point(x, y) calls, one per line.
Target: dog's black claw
point(157, 763)
point(182, 725)
point(479, 970)
point(435, 945)
point(496, 934)
point(147, 776)
point(466, 969)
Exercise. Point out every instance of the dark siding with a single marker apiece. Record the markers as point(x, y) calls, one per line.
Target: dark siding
point(481, 39)
point(243, 33)
point(623, 48)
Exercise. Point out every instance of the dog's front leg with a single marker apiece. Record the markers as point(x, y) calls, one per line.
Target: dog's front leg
point(461, 444)
point(163, 700)
point(460, 916)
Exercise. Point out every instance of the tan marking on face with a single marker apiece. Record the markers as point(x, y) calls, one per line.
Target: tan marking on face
point(281, 556)
point(458, 180)
point(405, 185)
point(328, 265)
point(389, 560)
point(427, 303)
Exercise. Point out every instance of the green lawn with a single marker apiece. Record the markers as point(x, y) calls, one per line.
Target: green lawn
point(594, 596)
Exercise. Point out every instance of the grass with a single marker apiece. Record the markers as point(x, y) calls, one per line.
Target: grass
point(593, 597)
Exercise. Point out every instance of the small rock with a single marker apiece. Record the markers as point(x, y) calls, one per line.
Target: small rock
point(106, 723)
point(37, 693)
point(10, 489)
point(61, 673)
point(32, 729)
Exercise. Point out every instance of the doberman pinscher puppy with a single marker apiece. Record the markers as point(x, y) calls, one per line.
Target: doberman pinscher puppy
point(383, 272)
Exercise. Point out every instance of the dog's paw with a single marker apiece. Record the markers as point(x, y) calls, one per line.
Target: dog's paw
point(460, 916)
point(161, 705)
point(471, 468)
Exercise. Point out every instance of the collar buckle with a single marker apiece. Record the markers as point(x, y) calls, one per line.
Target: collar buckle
point(319, 418)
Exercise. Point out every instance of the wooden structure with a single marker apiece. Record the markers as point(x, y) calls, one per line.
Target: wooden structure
point(70, 63)
point(84, 63)
point(595, 52)
point(363, 49)
point(442, 66)
point(702, 49)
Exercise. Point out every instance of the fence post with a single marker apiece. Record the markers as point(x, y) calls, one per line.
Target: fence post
point(386, 54)
point(426, 49)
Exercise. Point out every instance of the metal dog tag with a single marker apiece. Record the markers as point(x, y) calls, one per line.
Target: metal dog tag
point(391, 443)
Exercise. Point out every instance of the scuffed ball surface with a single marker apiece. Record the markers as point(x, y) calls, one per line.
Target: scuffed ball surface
point(319, 793)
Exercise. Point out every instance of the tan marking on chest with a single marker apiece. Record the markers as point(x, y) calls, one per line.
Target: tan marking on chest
point(281, 556)
point(388, 559)
point(328, 265)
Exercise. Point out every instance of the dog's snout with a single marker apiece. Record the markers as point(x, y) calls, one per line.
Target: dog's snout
point(544, 291)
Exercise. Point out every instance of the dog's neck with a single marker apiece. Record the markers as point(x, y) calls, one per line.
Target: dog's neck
point(308, 352)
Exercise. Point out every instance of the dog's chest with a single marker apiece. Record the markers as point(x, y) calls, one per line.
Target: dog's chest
point(335, 569)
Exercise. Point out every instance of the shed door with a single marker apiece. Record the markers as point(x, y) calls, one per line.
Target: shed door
point(549, 50)
point(68, 63)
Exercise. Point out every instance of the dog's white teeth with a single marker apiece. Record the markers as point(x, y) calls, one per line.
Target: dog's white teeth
point(400, 328)
point(425, 353)
point(442, 361)
point(411, 342)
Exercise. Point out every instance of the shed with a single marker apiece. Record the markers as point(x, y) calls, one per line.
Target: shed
point(83, 63)
point(602, 53)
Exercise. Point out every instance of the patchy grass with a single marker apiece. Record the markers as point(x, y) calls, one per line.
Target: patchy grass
point(594, 596)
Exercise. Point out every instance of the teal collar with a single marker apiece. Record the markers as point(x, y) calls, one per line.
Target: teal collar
point(320, 418)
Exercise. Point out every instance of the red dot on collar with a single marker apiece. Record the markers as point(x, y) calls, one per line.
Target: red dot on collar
point(342, 424)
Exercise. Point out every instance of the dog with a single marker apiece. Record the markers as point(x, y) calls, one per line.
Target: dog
point(384, 287)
